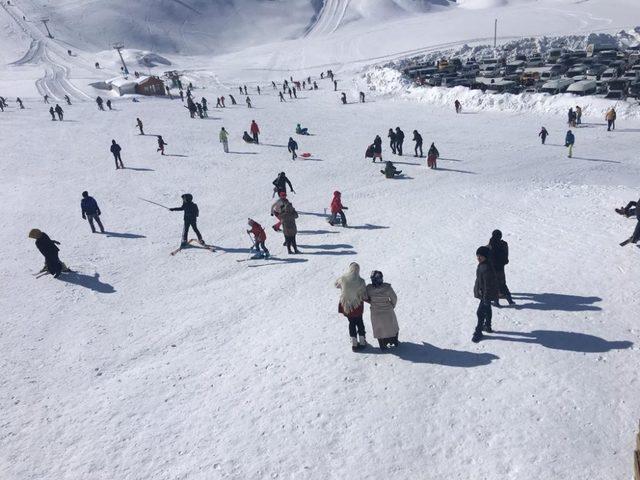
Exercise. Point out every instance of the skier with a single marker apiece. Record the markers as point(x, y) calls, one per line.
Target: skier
point(361, 97)
point(301, 131)
point(109, 104)
point(259, 237)
point(288, 217)
point(247, 138)
point(390, 171)
point(569, 140)
point(67, 99)
point(578, 115)
point(280, 184)
point(432, 156)
point(49, 250)
point(248, 100)
point(91, 211)
point(281, 97)
point(499, 258)
point(610, 117)
point(255, 131)
point(337, 209)
point(457, 105)
point(115, 150)
point(343, 98)
point(191, 214)
point(275, 210)
point(632, 208)
point(224, 140)
point(46, 99)
point(52, 113)
point(543, 135)
point(19, 101)
point(59, 111)
point(353, 292)
point(418, 139)
point(377, 148)
point(139, 125)
point(485, 290)
point(292, 146)
point(392, 140)
point(99, 101)
point(399, 140)
point(161, 145)
point(383, 302)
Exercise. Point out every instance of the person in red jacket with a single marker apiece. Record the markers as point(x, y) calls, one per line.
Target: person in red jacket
point(255, 130)
point(259, 237)
point(337, 209)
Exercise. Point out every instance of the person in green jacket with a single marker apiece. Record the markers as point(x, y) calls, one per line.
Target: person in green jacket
point(224, 140)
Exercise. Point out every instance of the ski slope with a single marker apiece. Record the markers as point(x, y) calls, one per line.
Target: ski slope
point(210, 366)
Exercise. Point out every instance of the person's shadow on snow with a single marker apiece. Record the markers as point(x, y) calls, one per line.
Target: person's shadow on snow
point(557, 340)
point(556, 301)
point(91, 282)
point(427, 353)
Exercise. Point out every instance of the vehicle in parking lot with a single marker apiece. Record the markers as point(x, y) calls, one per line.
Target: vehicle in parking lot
point(583, 87)
point(556, 86)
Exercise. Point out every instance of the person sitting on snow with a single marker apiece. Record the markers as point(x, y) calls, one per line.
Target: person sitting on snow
point(390, 171)
point(301, 131)
point(247, 138)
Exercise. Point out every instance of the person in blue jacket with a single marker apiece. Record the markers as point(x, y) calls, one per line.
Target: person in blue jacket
point(91, 211)
point(569, 140)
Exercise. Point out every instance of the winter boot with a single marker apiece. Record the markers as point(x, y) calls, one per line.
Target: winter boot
point(487, 328)
point(382, 342)
point(362, 342)
point(354, 344)
point(477, 336)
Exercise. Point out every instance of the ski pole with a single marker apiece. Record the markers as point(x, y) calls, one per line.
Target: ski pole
point(149, 201)
point(253, 243)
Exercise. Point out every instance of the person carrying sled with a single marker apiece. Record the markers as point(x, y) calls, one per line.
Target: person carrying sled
point(392, 140)
point(224, 140)
point(247, 138)
point(288, 217)
point(280, 184)
point(301, 131)
point(377, 148)
point(610, 117)
point(50, 251)
point(432, 156)
point(543, 134)
point(390, 171)
point(418, 147)
point(59, 111)
point(383, 301)
point(191, 214)
point(292, 146)
point(255, 131)
point(337, 209)
point(115, 150)
point(353, 292)
point(259, 237)
point(91, 211)
point(486, 290)
point(632, 209)
point(140, 126)
point(499, 258)
point(569, 141)
point(161, 145)
point(275, 210)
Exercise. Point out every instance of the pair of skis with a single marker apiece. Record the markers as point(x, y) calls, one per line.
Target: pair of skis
point(193, 243)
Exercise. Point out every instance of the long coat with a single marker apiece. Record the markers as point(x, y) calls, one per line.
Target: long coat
point(288, 217)
point(486, 286)
point(383, 318)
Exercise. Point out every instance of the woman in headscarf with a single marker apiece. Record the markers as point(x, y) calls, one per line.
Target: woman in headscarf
point(352, 294)
point(383, 301)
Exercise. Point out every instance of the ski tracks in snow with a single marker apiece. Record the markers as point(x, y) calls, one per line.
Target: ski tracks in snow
point(330, 17)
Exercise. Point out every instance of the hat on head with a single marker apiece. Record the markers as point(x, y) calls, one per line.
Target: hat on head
point(496, 234)
point(483, 251)
point(376, 278)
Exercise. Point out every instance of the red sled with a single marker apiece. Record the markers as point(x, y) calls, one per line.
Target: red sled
point(305, 155)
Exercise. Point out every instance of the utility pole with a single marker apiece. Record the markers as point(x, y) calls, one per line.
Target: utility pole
point(45, 20)
point(119, 47)
point(495, 33)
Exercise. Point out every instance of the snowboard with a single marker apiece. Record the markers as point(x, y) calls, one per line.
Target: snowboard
point(193, 243)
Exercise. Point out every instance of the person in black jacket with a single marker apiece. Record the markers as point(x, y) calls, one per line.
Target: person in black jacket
point(91, 211)
point(399, 140)
point(499, 258)
point(632, 209)
point(280, 184)
point(418, 139)
point(485, 290)
point(115, 150)
point(292, 146)
point(59, 111)
point(392, 140)
point(377, 148)
point(191, 214)
point(49, 250)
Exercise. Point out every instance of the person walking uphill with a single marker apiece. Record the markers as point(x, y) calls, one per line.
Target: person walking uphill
point(91, 211)
point(280, 184)
point(499, 258)
point(383, 302)
point(337, 209)
point(353, 292)
point(569, 141)
point(224, 140)
point(255, 131)
point(191, 214)
point(49, 250)
point(485, 290)
point(115, 150)
point(292, 146)
point(288, 217)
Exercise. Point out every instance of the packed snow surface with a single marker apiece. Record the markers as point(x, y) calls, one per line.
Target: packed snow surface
point(200, 366)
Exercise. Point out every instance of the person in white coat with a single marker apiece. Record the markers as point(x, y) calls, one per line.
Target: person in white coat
point(383, 301)
point(353, 292)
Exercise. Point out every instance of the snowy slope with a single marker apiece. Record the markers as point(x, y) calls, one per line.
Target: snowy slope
point(147, 366)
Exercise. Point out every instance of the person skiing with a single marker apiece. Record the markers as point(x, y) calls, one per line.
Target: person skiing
point(485, 290)
point(399, 140)
point(610, 117)
point(301, 131)
point(392, 140)
point(139, 125)
point(52, 113)
point(292, 146)
point(578, 115)
point(247, 138)
point(390, 171)
point(99, 101)
point(19, 102)
point(377, 148)
point(109, 104)
point(50, 251)
point(281, 182)
point(353, 292)
point(255, 131)
point(59, 111)
point(224, 140)
point(632, 209)
point(115, 150)
point(383, 300)
point(569, 141)
point(91, 211)
point(161, 145)
point(191, 214)
point(361, 97)
point(432, 156)
point(543, 135)
point(288, 217)
point(418, 139)
point(499, 258)
point(275, 210)
point(343, 98)
point(457, 105)
point(248, 100)
point(337, 209)
point(67, 99)
point(259, 237)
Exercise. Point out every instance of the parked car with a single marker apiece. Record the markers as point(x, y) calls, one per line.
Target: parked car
point(583, 87)
point(556, 86)
point(609, 74)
